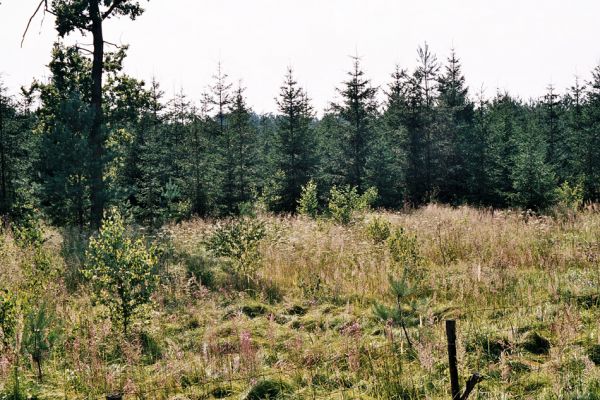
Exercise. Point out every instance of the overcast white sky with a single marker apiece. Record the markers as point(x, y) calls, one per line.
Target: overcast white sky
point(519, 46)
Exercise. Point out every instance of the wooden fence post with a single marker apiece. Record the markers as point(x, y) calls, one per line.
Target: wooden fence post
point(453, 364)
point(451, 336)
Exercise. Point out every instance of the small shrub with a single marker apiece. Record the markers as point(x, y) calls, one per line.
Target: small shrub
point(379, 230)
point(151, 350)
point(121, 270)
point(239, 242)
point(254, 309)
point(404, 249)
point(28, 232)
point(268, 389)
point(491, 346)
point(570, 196)
point(308, 204)
point(8, 318)
point(536, 344)
point(39, 336)
point(569, 199)
point(403, 313)
point(593, 353)
point(345, 202)
point(201, 268)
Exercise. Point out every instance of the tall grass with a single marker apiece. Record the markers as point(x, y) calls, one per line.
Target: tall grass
point(525, 291)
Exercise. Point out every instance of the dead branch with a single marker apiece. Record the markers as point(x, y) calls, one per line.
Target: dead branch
point(42, 2)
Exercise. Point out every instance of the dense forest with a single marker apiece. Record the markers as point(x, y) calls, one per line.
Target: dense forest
point(423, 137)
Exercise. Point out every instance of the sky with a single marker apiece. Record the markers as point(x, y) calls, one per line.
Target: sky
point(517, 46)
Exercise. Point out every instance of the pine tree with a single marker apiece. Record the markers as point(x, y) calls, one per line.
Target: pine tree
point(64, 119)
point(154, 160)
point(295, 143)
point(88, 17)
point(220, 98)
point(415, 122)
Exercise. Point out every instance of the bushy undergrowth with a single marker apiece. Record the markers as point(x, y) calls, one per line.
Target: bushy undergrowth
point(352, 311)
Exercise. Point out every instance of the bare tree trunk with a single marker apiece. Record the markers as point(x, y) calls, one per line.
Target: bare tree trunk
point(96, 139)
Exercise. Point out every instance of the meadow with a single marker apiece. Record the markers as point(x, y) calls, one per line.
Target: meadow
point(317, 309)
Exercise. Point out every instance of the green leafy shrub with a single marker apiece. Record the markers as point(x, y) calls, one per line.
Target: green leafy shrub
point(8, 318)
point(379, 230)
point(28, 232)
point(569, 198)
point(239, 242)
point(308, 204)
point(345, 202)
point(121, 270)
point(404, 249)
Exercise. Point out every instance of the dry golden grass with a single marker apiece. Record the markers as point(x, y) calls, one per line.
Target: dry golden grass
point(503, 275)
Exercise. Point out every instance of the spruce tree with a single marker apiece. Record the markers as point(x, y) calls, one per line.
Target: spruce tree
point(388, 168)
point(357, 113)
point(551, 125)
point(455, 119)
point(505, 119)
point(576, 145)
point(18, 155)
point(426, 79)
point(245, 151)
point(591, 138)
point(295, 143)
point(477, 155)
point(533, 179)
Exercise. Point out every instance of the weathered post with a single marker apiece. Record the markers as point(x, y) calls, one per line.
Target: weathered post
point(451, 336)
point(454, 383)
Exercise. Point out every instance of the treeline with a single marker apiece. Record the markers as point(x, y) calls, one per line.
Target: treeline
point(430, 139)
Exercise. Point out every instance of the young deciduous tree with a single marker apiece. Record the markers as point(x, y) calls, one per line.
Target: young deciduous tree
point(121, 270)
